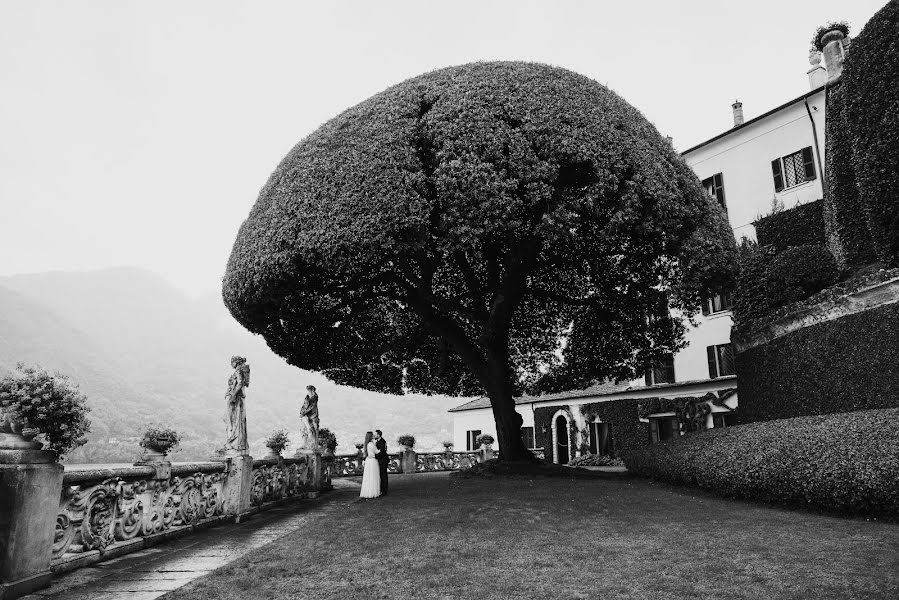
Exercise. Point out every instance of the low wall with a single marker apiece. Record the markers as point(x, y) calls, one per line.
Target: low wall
point(838, 356)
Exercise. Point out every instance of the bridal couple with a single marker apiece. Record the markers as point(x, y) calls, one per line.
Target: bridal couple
point(374, 470)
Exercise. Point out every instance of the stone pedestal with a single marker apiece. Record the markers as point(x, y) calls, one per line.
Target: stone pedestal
point(314, 462)
point(29, 502)
point(238, 488)
point(408, 460)
point(487, 453)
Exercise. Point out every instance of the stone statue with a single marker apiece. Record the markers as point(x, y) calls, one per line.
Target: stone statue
point(309, 420)
point(237, 414)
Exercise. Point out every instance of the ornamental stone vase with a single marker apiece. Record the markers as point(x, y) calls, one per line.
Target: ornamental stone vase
point(12, 435)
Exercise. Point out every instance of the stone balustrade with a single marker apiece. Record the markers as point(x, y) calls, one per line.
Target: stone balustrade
point(349, 465)
point(53, 521)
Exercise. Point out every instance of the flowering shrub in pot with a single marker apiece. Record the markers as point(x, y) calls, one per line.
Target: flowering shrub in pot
point(35, 403)
point(159, 441)
point(485, 439)
point(277, 441)
point(406, 440)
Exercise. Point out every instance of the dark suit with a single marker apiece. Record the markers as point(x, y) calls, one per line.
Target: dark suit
point(383, 459)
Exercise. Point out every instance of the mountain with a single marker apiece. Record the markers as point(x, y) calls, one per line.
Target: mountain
point(145, 353)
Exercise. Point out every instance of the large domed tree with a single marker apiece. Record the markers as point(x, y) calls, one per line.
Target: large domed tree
point(486, 227)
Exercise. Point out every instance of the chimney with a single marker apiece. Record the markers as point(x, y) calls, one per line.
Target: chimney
point(817, 75)
point(738, 113)
point(834, 43)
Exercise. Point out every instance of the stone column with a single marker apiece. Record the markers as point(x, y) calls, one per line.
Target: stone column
point(315, 465)
point(30, 488)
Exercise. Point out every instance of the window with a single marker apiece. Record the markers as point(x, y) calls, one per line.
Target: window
point(470, 437)
point(663, 428)
point(601, 441)
point(718, 303)
point(714, 185)
point(721, 360)
point(724, 419)
point(793, 169)
point(527, 436)
point(660, 370)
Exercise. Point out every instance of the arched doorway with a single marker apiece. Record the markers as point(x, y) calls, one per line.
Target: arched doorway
point(561, 436)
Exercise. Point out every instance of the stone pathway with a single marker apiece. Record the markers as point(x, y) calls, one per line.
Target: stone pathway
point(152, 572)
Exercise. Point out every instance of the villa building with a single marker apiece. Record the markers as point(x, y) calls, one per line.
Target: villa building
point(777, 157)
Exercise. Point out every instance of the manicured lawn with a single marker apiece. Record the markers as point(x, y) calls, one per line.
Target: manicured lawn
point(442, 537)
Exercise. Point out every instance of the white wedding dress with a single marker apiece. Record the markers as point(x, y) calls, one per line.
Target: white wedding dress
point(371, 474)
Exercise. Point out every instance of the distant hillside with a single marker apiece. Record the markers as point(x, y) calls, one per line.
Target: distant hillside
point(143, 351)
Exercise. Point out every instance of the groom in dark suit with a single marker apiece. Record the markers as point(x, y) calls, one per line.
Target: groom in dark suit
point(383, 459)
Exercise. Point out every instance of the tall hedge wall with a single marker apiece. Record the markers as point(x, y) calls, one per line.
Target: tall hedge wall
point(850, 363)
point(871, 96)
point(624, 423)
point(845, 219)
point(798, 226)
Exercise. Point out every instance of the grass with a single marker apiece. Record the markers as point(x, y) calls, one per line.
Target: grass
point(439, 537)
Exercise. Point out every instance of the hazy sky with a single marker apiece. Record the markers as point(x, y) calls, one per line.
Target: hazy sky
point(140, 133)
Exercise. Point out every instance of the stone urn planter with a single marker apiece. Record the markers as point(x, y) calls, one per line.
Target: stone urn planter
point(157, 444)
point(13, 436)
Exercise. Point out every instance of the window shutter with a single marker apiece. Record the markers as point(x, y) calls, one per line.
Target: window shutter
point(719, 189)
point(713, 365)
point(778, 175)
point(648, 375)
point(808, 161)
point(726, 359)
point(705, 306)
point(653, 430)
point(593, 440)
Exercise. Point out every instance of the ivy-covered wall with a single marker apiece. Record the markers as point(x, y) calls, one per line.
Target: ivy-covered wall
point(624, 424)
point(798, 226)
point(851, 363)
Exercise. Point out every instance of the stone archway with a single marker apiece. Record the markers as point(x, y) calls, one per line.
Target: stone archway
point(561, 451)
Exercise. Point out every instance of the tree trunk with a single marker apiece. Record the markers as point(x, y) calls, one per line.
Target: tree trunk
point(508, 421)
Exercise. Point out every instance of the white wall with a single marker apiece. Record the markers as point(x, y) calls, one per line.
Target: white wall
point(482, 418)
point(744, 159)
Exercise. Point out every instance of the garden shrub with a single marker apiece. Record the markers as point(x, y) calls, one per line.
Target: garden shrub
point(45, 404)
point(798, 272)
point(843, 462)
point(327, 439)
point(798, 226)
point(751, 293)
point(595, 460)
point(850, 363)
point(871, 107)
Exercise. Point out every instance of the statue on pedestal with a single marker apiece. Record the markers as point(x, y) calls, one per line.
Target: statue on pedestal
point(237, 414)
point(309, 420)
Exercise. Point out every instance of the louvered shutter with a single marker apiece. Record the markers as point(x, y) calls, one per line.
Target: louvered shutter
point(653, 430)
point(719, 189)
point(778, 175)
point(808, 161)
point(705, 306)
point(713, 365)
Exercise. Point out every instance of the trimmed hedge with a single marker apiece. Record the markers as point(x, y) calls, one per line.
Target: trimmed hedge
point(845, 223)
point(798, 272)
point(751, 293)
point(844, 462)
point(797, 226)
point(871, 97)
point(850, 363)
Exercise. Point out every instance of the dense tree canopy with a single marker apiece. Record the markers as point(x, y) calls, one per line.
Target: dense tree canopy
point(490, 227)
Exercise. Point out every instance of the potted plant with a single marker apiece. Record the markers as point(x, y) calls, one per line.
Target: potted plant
point(35, 403)
point(406, 440)
point(327, 440)
point(277, 441)
point(448, 446)
point(834, 30)
point(484, 440)
point(157, 442)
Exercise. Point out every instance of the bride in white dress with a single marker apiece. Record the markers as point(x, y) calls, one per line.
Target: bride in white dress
point(371, 475)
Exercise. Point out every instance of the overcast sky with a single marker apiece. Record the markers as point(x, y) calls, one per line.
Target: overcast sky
point(140, 133)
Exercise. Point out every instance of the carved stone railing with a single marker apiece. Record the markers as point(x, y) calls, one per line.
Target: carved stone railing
point(348, 465)
point(276, 479)
point(99, 509)
point(447, 461)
